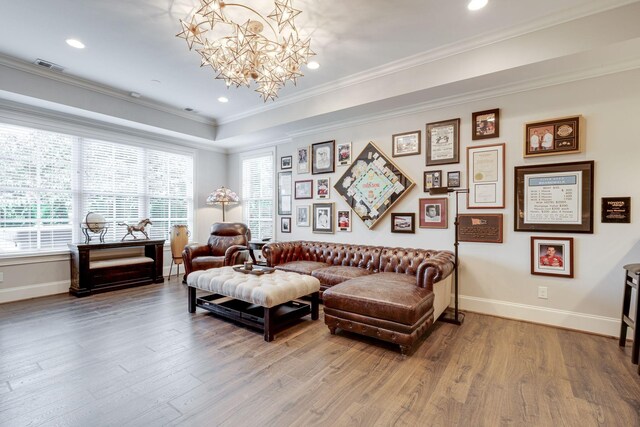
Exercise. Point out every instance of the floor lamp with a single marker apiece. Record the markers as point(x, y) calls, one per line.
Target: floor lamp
point(458, 317)
point(222, 196)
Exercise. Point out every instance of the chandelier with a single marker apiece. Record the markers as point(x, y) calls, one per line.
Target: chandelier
point(241, 52)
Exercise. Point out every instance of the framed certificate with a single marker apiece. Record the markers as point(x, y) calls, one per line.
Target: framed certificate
point(485, 172)
point(443, 142)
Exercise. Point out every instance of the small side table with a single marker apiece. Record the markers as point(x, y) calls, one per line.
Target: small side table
point(631, 281)
point(256, 245)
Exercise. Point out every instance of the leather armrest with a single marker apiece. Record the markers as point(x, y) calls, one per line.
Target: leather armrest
point(236, 254)
point(434, 269)
point(189, 253)
point(279, 252)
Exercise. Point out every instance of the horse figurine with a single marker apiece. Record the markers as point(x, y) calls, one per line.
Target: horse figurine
point(139, 227)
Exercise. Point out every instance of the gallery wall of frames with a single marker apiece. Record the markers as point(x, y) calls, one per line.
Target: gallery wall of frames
point(540, 179)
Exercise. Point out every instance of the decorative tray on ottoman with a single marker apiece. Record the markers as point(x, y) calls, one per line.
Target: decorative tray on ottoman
point(257, 270)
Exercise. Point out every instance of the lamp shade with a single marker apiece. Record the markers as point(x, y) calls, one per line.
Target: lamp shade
point(222, 196)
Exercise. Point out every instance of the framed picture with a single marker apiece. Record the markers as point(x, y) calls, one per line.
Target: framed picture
point(483, 228)
point(284, 193)
point(322, 188)
point(554, 197)
point(303, 160)
point(285, 224)
point(304, 189)
point(443, 142)
point(344, 154)
point(486, 124)
point(433, 212)
point(324, 158)
point(552, 256)
point(403, 222)
point(453, 179)
point(432, 179)
point(323, 218)
point(286, 162)
point(616, 210)
point(344, 220)
point(556, 136)
point(372, 185)
point(405, 144)
point(485, 173)
point(302, 216)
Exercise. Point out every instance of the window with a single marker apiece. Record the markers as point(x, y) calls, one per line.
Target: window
point(258, 195)
point(49, 181)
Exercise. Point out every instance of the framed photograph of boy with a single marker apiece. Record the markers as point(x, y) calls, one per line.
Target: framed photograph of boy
point(432, 179)
point(486, 124)
point(443, 142)
point(323, 157)
point(552, 256)
point(285, 224)
point(303, 159)
point(323, 220)
point(303, 189)
point(433, 212)
point(403, 222)
point(322, 188)
point(344, 220)
point(302, 216)
point(453, 179)
point(405, 144)
point(286, 162)
point(344, 154)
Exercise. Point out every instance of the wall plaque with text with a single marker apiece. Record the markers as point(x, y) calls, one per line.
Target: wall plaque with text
point(616, 210)
point(484, 228)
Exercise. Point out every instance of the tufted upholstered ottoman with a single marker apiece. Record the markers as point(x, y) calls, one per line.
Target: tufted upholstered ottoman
point(263, 301)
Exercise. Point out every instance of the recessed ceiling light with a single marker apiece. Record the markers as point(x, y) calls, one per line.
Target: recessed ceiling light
point(313, 65)
point(477, 4)
point(223, 99)
point(189, 109)
point(75, 43)
point(155, 81)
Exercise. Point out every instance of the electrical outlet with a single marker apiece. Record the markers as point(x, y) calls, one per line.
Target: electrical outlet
point(542, 292)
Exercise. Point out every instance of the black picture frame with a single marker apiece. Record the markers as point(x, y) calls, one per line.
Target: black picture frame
point(303, 189)
point(443, 142)
point(323, 158)
point(453, 179)
point(432, 179)
point(485, 124)
point(286, 162)
point(403, 222)
point(285, 224)
point(321, 224)
point(616, 210)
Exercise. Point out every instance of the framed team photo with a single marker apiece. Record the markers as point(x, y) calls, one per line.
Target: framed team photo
point(552, 256)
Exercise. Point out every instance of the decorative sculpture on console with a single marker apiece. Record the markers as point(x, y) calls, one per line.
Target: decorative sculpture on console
point(139, 228)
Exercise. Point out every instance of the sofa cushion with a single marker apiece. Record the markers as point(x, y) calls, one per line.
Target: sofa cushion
point(207, 262)
point(335, 274)
point(302, 267)
point(389, 296)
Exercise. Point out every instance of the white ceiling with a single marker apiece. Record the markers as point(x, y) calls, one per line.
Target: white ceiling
point(130, 43)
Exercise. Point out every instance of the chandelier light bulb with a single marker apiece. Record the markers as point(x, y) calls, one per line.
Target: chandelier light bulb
point(223, 99)
point(477, 4)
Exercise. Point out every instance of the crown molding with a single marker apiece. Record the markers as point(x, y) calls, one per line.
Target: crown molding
point(434, 55)
point(79, 82)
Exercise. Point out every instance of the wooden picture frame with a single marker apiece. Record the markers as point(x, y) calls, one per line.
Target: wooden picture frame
point(485, 174)
point(286, 162)
point(403, 222)
point(486, 124)
point(406, 144)
point(303, 218)
point(443, 142)
point(556, 198)
point(563, 135)
point(303, 189)
point(481, 228)
point(344, 220)
point(616, 210)
point(323, 218)
point(552, 256)
point(343, 153)
point(432, 179)
point(284, 193)
point(304, 159)
point(433, 212)
point(323, 156)
point(285, 224)
point(323, 188)
point(454, 179)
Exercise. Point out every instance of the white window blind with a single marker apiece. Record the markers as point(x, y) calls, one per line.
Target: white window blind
point(258, 195)
point(49, 181)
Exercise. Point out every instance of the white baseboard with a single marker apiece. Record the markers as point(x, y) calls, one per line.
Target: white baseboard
point(34, 291)
point(548, 316)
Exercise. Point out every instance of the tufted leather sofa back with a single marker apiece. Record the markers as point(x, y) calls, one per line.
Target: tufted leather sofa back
point(403, 260)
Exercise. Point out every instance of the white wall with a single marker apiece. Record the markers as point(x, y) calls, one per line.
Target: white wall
point(495, 278)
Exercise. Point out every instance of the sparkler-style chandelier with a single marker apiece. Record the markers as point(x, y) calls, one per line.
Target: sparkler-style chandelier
point(241, 52)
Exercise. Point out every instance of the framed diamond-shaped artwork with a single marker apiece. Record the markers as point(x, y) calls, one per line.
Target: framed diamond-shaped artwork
point(372, 185)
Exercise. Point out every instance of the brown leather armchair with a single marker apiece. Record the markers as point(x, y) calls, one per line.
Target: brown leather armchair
point(227, 245)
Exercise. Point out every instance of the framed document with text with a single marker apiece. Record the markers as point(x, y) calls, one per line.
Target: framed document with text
point(443, 142)
point(554, 197)
point(485, 173)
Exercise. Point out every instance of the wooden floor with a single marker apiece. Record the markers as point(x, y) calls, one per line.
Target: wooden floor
point(137, 357)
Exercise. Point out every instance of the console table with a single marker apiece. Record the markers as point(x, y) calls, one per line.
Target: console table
point(91, 275)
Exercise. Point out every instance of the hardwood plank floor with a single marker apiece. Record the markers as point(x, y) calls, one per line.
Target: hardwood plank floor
point(137, 358)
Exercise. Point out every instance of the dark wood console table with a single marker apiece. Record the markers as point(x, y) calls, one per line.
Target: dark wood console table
point(105, 274)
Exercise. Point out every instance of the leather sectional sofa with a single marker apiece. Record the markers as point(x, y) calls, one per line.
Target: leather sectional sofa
point(393, 294)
